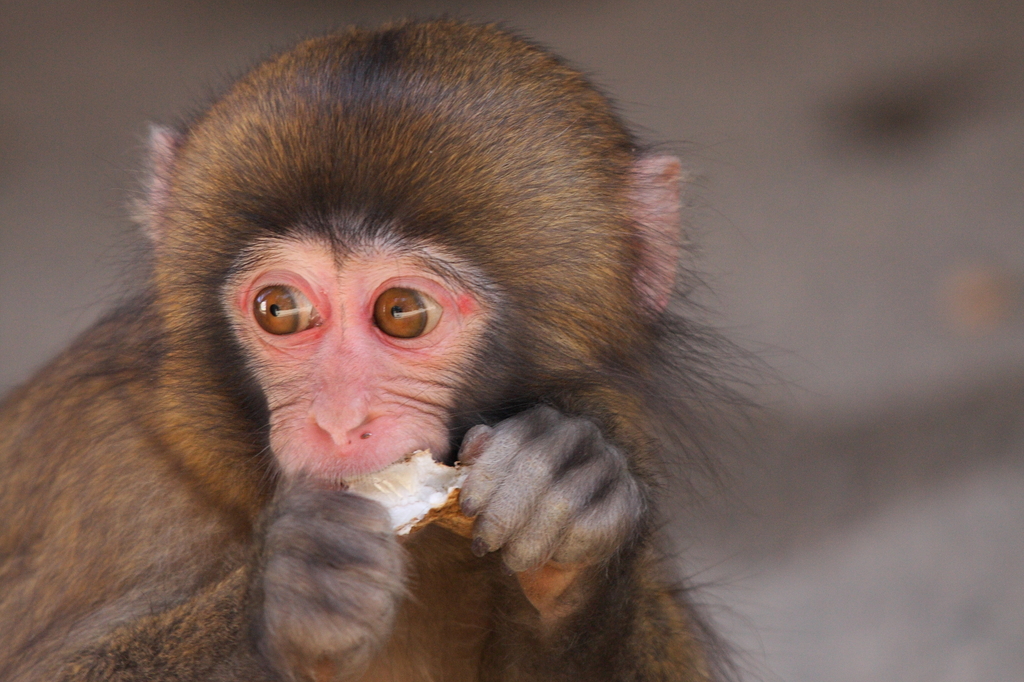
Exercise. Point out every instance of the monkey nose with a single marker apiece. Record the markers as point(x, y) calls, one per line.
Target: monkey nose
point(344, 430)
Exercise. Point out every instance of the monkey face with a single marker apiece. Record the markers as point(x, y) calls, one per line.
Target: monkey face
point(356, 352)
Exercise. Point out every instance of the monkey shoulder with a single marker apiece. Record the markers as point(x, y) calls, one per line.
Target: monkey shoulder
point(99, 520)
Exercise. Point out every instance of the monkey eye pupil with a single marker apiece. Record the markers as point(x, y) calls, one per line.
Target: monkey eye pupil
point(406, 313)
point(280, 309)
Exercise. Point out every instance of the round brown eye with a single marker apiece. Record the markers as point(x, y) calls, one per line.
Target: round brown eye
point(406, 313)
point(282, 309)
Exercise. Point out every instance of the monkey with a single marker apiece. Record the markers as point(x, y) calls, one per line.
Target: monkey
point(431, 235)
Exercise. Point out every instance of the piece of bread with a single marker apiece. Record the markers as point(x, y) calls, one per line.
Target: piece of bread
point(417, 492)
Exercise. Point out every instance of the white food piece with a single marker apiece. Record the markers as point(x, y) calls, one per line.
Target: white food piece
point(411, 488)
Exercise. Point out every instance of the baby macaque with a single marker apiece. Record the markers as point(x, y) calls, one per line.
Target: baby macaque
point(428, 237)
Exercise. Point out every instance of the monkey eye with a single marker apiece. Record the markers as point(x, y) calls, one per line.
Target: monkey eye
point(281, 309)
point(406, 313)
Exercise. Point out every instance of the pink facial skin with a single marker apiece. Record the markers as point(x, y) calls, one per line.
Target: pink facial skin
point(345, 398)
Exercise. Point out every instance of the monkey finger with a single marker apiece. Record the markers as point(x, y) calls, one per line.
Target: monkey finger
point(602, 529)
point(313, 504)
point(334, 508)
point(513, 503)
point(492, 465)
point(536, 541)
point(474, 443)
point(568, 499)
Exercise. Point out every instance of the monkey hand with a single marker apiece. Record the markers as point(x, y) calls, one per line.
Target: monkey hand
point(333, 576)
point(548, 488)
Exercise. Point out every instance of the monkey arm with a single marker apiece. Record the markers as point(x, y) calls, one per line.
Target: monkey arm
point(205, 638)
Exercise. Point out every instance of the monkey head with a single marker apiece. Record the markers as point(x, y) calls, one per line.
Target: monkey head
point(375, 240)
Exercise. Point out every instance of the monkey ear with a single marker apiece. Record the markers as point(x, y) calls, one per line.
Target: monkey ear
point(148, 210)
point(657, 212)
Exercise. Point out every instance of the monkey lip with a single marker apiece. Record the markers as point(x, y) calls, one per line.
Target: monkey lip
point(411, 489)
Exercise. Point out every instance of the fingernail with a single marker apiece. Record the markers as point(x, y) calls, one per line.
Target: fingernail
point(468, 507)
point(506, 570)
point(473, 444)
point(479, 547)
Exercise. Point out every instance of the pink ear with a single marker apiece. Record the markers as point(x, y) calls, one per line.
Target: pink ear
point(657, 209)
point(163, 145)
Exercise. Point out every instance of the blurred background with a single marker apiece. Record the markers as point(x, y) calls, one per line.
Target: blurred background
point(858, 212)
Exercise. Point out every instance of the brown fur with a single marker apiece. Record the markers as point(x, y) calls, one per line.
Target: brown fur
point(135, 479)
